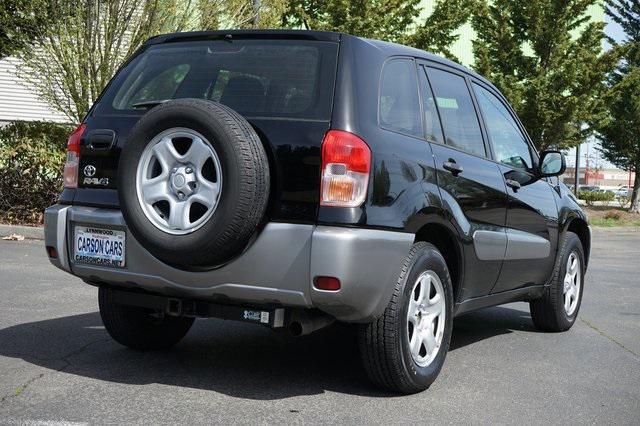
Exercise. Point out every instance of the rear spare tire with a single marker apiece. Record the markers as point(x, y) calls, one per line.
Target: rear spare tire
point(193, 183)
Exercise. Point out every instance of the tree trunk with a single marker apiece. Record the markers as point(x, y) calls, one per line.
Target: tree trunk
point(635, 195)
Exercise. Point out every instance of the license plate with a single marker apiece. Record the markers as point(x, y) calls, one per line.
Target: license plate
point(99, 246)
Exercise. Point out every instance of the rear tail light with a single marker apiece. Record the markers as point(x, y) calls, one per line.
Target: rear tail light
point(70, 174)
point(346, 162)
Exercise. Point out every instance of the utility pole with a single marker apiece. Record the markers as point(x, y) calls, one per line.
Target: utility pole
point(586, 167)
point(576, 181)
point(256, 13)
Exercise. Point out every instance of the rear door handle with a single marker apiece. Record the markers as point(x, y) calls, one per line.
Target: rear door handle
point(101, 140)
point(453, 167)
point(514, 184)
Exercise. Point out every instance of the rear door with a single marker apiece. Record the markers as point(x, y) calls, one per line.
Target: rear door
point(471, 185)
point(283, 86)
point(532, 215)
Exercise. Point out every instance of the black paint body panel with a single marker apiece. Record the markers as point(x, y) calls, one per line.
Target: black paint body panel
point(408, 187)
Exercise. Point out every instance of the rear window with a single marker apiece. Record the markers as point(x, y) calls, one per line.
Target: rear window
point(259, 78)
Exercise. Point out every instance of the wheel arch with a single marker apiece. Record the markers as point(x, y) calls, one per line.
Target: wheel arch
point(580, 227)
point(447, 242)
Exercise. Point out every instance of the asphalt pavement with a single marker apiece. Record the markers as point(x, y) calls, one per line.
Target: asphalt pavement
point(58, 365)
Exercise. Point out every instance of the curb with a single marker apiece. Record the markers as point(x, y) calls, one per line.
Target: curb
point(622, 229)
point(29, 232)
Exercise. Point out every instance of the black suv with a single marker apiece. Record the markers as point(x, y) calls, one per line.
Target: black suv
point(296, 178)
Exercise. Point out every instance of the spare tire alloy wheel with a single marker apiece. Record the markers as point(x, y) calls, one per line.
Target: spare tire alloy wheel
point(193, 183)
point(177, 192)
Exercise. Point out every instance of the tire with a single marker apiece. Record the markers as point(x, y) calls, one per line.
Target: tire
point(385, 343)
point(240, 204)
point(549, 312)
point(140, 328)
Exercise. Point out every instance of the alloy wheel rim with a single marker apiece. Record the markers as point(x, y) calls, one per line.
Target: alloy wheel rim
point(572, 284)
point(426, 317)
point(179, 181)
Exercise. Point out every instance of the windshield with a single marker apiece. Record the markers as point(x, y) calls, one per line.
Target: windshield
point(270, 78)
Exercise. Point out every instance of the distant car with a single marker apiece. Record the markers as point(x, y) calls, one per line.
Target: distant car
point(296, 178)
point(589, 188)
point(623, 191)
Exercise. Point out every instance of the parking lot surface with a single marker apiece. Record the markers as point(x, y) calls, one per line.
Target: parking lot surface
point(57, 363)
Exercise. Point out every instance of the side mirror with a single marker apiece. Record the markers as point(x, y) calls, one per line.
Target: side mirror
point(552, 163)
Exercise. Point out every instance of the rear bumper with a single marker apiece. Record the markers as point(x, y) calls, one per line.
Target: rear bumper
point(277, 269)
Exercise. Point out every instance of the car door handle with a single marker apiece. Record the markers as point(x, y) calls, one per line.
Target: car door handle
point(514, 184)
point(100, 140)
point(453, 167)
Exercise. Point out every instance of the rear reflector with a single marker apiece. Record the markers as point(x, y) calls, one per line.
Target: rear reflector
point(346, 161)
point(52, 252)
point(327, 283)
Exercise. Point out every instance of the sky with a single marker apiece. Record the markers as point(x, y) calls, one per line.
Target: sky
point(614, 31)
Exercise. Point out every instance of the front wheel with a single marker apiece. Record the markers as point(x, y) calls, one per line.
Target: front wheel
point(558, 308)
point(140, 328)
point(405, 348)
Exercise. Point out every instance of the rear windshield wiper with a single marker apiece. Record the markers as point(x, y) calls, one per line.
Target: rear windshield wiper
point(149, 104)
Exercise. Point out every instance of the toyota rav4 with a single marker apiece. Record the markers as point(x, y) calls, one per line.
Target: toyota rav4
point(296, 178)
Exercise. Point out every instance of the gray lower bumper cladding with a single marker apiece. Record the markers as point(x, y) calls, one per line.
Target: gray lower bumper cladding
point(278, 268)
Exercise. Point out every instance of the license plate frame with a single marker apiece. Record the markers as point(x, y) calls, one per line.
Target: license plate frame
point(99, 246)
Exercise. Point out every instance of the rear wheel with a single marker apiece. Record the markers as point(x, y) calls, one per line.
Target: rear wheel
point(140, 328)
point(558, 308)
point(405, 349)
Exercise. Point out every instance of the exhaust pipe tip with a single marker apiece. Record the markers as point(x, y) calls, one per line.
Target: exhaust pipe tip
point(295, 328)
point(306, 322)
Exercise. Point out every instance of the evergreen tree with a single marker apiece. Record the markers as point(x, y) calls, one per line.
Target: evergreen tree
point(390, 20)
point(438, 31)
point(619, 134)
point(546, 56)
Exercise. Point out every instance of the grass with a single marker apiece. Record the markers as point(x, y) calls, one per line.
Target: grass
point(610, 217)
point(611, 222)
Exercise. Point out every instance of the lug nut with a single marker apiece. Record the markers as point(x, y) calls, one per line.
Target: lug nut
point(180, 195)
point(189, 170)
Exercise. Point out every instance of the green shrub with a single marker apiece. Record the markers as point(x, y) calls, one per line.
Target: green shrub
point(590, 197)
point(32, 156)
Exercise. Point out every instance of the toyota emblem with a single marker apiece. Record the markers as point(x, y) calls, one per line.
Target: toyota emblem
point(89, 171)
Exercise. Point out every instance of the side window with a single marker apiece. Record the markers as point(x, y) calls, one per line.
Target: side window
point(432, 127)
point(506, 138)
point(459, 119)
point(399, 107)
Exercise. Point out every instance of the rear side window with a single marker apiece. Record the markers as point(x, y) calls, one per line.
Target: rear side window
point(509, 145)
point(271, 78)
point(399, 106)
point(432, 128)
point(458, 115)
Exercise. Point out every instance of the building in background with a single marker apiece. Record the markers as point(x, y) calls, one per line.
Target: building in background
point(17, 100)
point(603, 178)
